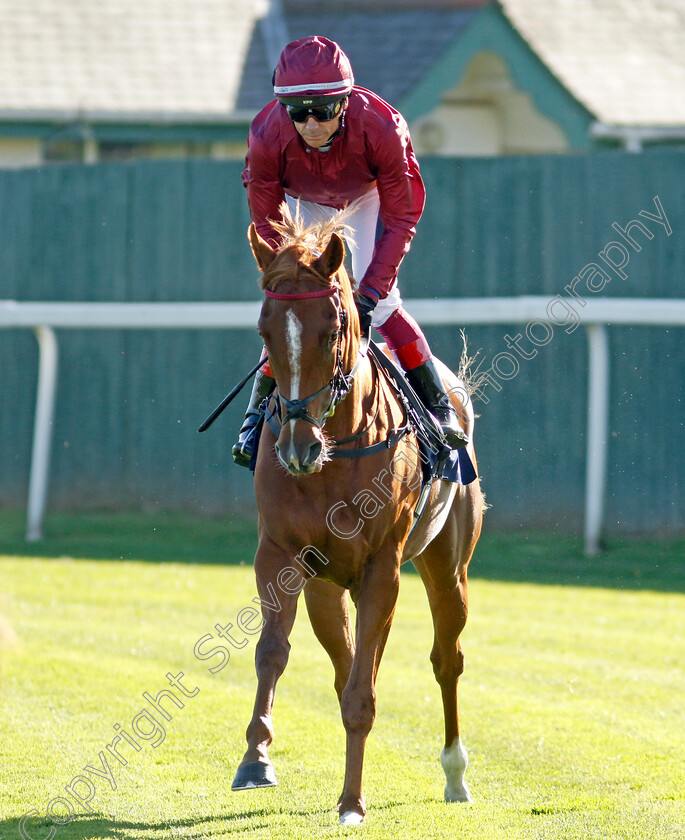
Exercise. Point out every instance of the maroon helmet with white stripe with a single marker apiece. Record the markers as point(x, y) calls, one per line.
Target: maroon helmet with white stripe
point(312, 71)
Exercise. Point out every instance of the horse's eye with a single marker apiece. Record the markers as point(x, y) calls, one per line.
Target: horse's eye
point(332, 338)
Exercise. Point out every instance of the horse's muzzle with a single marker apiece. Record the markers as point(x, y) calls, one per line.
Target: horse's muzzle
point(302, 458)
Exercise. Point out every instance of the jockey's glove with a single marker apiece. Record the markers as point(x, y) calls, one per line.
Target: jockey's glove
point(365, 307)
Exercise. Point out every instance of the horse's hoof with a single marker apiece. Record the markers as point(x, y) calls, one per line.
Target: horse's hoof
point(461, 794)
point(254, 775)
point(455, 760)
point(351, 818)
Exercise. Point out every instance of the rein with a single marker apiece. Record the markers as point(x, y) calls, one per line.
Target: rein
point(339, 384)
point(275, 421)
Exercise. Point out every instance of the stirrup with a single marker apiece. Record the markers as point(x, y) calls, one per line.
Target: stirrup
point(455, 436)
point(243, 449)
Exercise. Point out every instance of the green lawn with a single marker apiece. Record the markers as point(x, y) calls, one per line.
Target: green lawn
point(571, 703)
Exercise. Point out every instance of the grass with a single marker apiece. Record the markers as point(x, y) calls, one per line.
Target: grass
point(571, 703)
point(627, 563)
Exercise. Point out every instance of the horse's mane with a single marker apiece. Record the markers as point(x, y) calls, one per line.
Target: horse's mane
point(301, 244)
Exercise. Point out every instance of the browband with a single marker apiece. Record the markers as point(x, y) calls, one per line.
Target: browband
point(331, 290)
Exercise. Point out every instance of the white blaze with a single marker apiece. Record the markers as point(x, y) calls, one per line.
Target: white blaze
point(294, 339)
point(294, 334)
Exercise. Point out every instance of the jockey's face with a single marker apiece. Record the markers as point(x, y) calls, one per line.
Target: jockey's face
point(317, 134)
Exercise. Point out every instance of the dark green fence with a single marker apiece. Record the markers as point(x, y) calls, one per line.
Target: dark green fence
point(129, 403)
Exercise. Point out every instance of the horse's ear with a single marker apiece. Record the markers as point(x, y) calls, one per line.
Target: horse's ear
point(332, 258)
point(263, 252)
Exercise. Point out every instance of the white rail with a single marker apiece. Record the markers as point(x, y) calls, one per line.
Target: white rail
point(43, 318)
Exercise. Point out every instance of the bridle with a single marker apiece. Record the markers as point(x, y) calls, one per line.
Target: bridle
point(339, 384)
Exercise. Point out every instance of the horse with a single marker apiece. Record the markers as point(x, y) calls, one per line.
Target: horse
point(330, 523)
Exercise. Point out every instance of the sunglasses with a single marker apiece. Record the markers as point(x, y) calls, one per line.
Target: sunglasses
point(323, 113)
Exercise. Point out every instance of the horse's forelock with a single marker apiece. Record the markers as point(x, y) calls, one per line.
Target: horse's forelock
point(313, 237)
point(300, 246)
point(295, 264)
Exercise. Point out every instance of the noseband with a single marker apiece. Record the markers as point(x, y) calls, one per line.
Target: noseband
point(339, 384)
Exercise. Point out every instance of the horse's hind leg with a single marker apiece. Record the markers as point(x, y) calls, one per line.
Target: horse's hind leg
point(443, 569)
point(329, 614)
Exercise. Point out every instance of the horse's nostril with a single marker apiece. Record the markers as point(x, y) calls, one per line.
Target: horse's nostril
point(314, 452)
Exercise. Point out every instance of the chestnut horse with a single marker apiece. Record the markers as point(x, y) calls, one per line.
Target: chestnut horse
point(331, 524)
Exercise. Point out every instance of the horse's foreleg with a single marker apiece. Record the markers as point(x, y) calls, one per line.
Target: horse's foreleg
point(271, 656)
point(330, 618)
point(375, 608)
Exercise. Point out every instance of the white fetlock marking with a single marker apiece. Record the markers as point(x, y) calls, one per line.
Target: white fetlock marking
point(351, 818)
point(455, 760)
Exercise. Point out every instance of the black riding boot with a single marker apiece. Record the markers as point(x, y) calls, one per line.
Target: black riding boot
point(242, 451)
point(425, 380)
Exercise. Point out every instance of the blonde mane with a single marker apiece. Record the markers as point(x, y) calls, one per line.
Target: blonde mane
point(300, 246)
point(313, 237)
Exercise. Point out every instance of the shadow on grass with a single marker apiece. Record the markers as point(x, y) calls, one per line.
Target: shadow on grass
point(87, 828)
point(523, 557)
point(544, 558)
point(84, 827)
point(146, 537)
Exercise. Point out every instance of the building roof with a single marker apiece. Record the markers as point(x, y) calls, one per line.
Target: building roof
point(390, 49)
point(622, 59)
point(131, 56)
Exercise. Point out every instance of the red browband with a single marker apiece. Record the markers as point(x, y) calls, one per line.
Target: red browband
point(331, 290)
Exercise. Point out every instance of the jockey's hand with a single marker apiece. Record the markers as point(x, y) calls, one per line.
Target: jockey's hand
point(365, 307)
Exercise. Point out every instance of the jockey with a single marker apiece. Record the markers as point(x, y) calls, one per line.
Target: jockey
point(329, 144)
